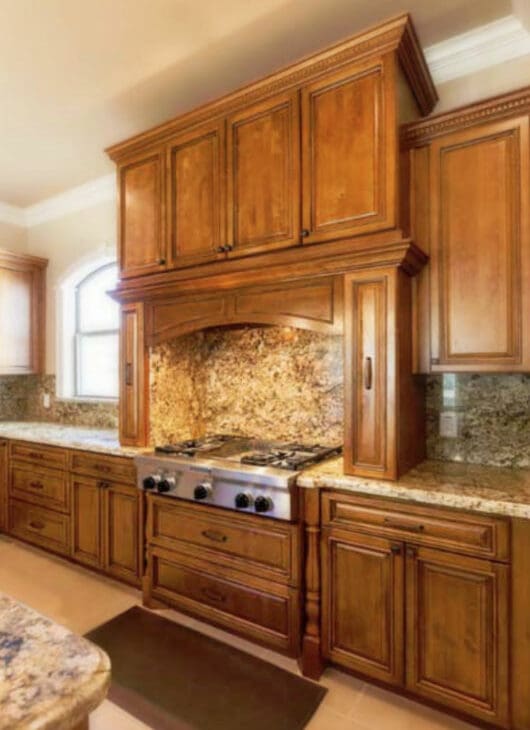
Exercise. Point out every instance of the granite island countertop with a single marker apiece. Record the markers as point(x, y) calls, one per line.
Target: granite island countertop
point(489, 489)
point(101, 440)
point(50, 678)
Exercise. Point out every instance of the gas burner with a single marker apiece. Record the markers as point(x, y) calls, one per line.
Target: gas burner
point(191, 447)
point(291, 456)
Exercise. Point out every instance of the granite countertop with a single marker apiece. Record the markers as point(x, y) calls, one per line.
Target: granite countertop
point(104, 441)
point(50, 678)
point(465, 486)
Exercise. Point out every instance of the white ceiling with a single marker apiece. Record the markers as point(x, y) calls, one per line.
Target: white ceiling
point(79, 75)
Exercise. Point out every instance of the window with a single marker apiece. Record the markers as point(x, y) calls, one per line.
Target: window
point(96, 336)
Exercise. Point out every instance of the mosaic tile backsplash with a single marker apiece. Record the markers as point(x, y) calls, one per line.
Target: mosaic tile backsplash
point(494, 418)
point(21, 400)
point(269, 382)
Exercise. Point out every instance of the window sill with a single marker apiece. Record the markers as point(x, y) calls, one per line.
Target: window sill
point(86, 399)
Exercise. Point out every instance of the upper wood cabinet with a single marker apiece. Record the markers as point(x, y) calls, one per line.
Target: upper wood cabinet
point(263, 175)
point(338, 110)
point(22, 291)
point(196, 195)
point(142, 241)
point(349, 153)
point(470, 211)
point(134, 363)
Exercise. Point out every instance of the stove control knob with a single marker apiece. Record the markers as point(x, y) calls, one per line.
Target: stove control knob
point(202, 491)
point(243, 500)
point(166, 484)
point(150, 482)
point(263, 504)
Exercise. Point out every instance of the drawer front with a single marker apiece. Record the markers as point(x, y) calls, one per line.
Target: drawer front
point(39, 455)
point(478, 535)
point(98, 465)
point(40, 486)
point(260, 610)
point(269, 547)
point(39, 526)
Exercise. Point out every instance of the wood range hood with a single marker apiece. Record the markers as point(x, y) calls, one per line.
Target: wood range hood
point(286, 203)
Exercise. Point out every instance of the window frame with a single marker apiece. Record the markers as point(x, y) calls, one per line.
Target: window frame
point(79, 334)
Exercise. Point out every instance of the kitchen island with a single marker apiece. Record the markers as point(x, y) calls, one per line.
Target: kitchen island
point(50, 678)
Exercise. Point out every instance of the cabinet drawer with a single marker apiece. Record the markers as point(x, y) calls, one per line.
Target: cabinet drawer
point(39, 526)
point(264, 611)
point(38, 454)
point(111, 467)
point(245, 542)
point(462, 532)
point(40, 486)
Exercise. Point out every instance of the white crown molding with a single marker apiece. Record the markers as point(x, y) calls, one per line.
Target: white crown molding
point(101, 190)
point(480, 48)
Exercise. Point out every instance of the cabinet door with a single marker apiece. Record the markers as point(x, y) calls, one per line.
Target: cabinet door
point(263, 178)
point(369, 372)
point(196, 190)
point(457, 635)
point(349, 152)
point(121, 522)
point(86, 521)
point(363, 604)
point(4, 471)
point(133, 377)
point(142, 244)
point(480, 248)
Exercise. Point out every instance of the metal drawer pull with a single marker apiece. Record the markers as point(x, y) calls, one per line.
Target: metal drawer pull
point(396, 549)
point(36, 455)
point(128, 373)
point(103, 485)
point(398, 526)
point(102, 467)
point(367, 373)
point(214, 535)
point(36, 485)
point(37, 525)
point(213, 595)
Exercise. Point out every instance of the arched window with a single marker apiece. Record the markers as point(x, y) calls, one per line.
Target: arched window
point(96, 335)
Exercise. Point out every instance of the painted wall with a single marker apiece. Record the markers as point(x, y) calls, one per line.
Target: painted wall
point(13, 238)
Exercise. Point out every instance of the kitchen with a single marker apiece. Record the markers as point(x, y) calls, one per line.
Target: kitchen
point(264, 382)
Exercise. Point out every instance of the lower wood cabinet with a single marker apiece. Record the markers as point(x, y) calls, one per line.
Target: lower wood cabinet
point(3, 484)
point(40, 526)
point(106, 526)
point(432, 620)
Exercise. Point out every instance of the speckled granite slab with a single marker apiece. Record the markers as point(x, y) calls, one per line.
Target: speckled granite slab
point(449, 484)
point(50, 679)
point(104, 441)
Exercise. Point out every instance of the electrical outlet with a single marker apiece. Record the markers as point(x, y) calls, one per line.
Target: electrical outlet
point(449, 424)
point(46, 401)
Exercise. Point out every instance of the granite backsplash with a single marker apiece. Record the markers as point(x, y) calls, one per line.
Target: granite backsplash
point(269, 382)
point(21, 399)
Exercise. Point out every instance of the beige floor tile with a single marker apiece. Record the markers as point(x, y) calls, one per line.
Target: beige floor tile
point(328, 719)
point(344, 691)
point(109, 716)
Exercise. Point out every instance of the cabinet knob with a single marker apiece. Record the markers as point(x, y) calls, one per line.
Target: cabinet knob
point(412, 552)
point(220, 249)
point(304, 233)
point(161, 262)
point(396, 549)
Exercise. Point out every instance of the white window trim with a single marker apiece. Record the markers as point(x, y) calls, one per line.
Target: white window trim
point(65, 323)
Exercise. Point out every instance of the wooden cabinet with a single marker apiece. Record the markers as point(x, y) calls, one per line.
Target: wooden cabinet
point(470, 211)
point(263, 175)
point(363, 610)
point(134, 363)
point(196, 195)
point(4, 476)
point(22, 290)
point(457, 632)
point(106, 526)
point(382, 398)
point(349, 156)
point(405, 602)
point(142, 234)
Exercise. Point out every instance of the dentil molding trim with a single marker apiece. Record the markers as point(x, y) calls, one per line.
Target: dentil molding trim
point(480, 48)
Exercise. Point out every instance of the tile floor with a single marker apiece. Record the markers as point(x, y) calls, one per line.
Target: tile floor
point(81, 600)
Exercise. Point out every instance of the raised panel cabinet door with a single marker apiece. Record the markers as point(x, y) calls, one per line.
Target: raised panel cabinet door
point(363, 604)
point(141, 183)
point(4, 476)
point(457, 632)
point(349, 152)
point(86, 546)
point(121, 521)
point(369, 372)
point(133, 377)
point(263, 176)
point(196, 195)
point(480, 247)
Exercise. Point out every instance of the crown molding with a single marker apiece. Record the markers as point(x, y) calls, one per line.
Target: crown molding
point(480, 48)
point(82, 197)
